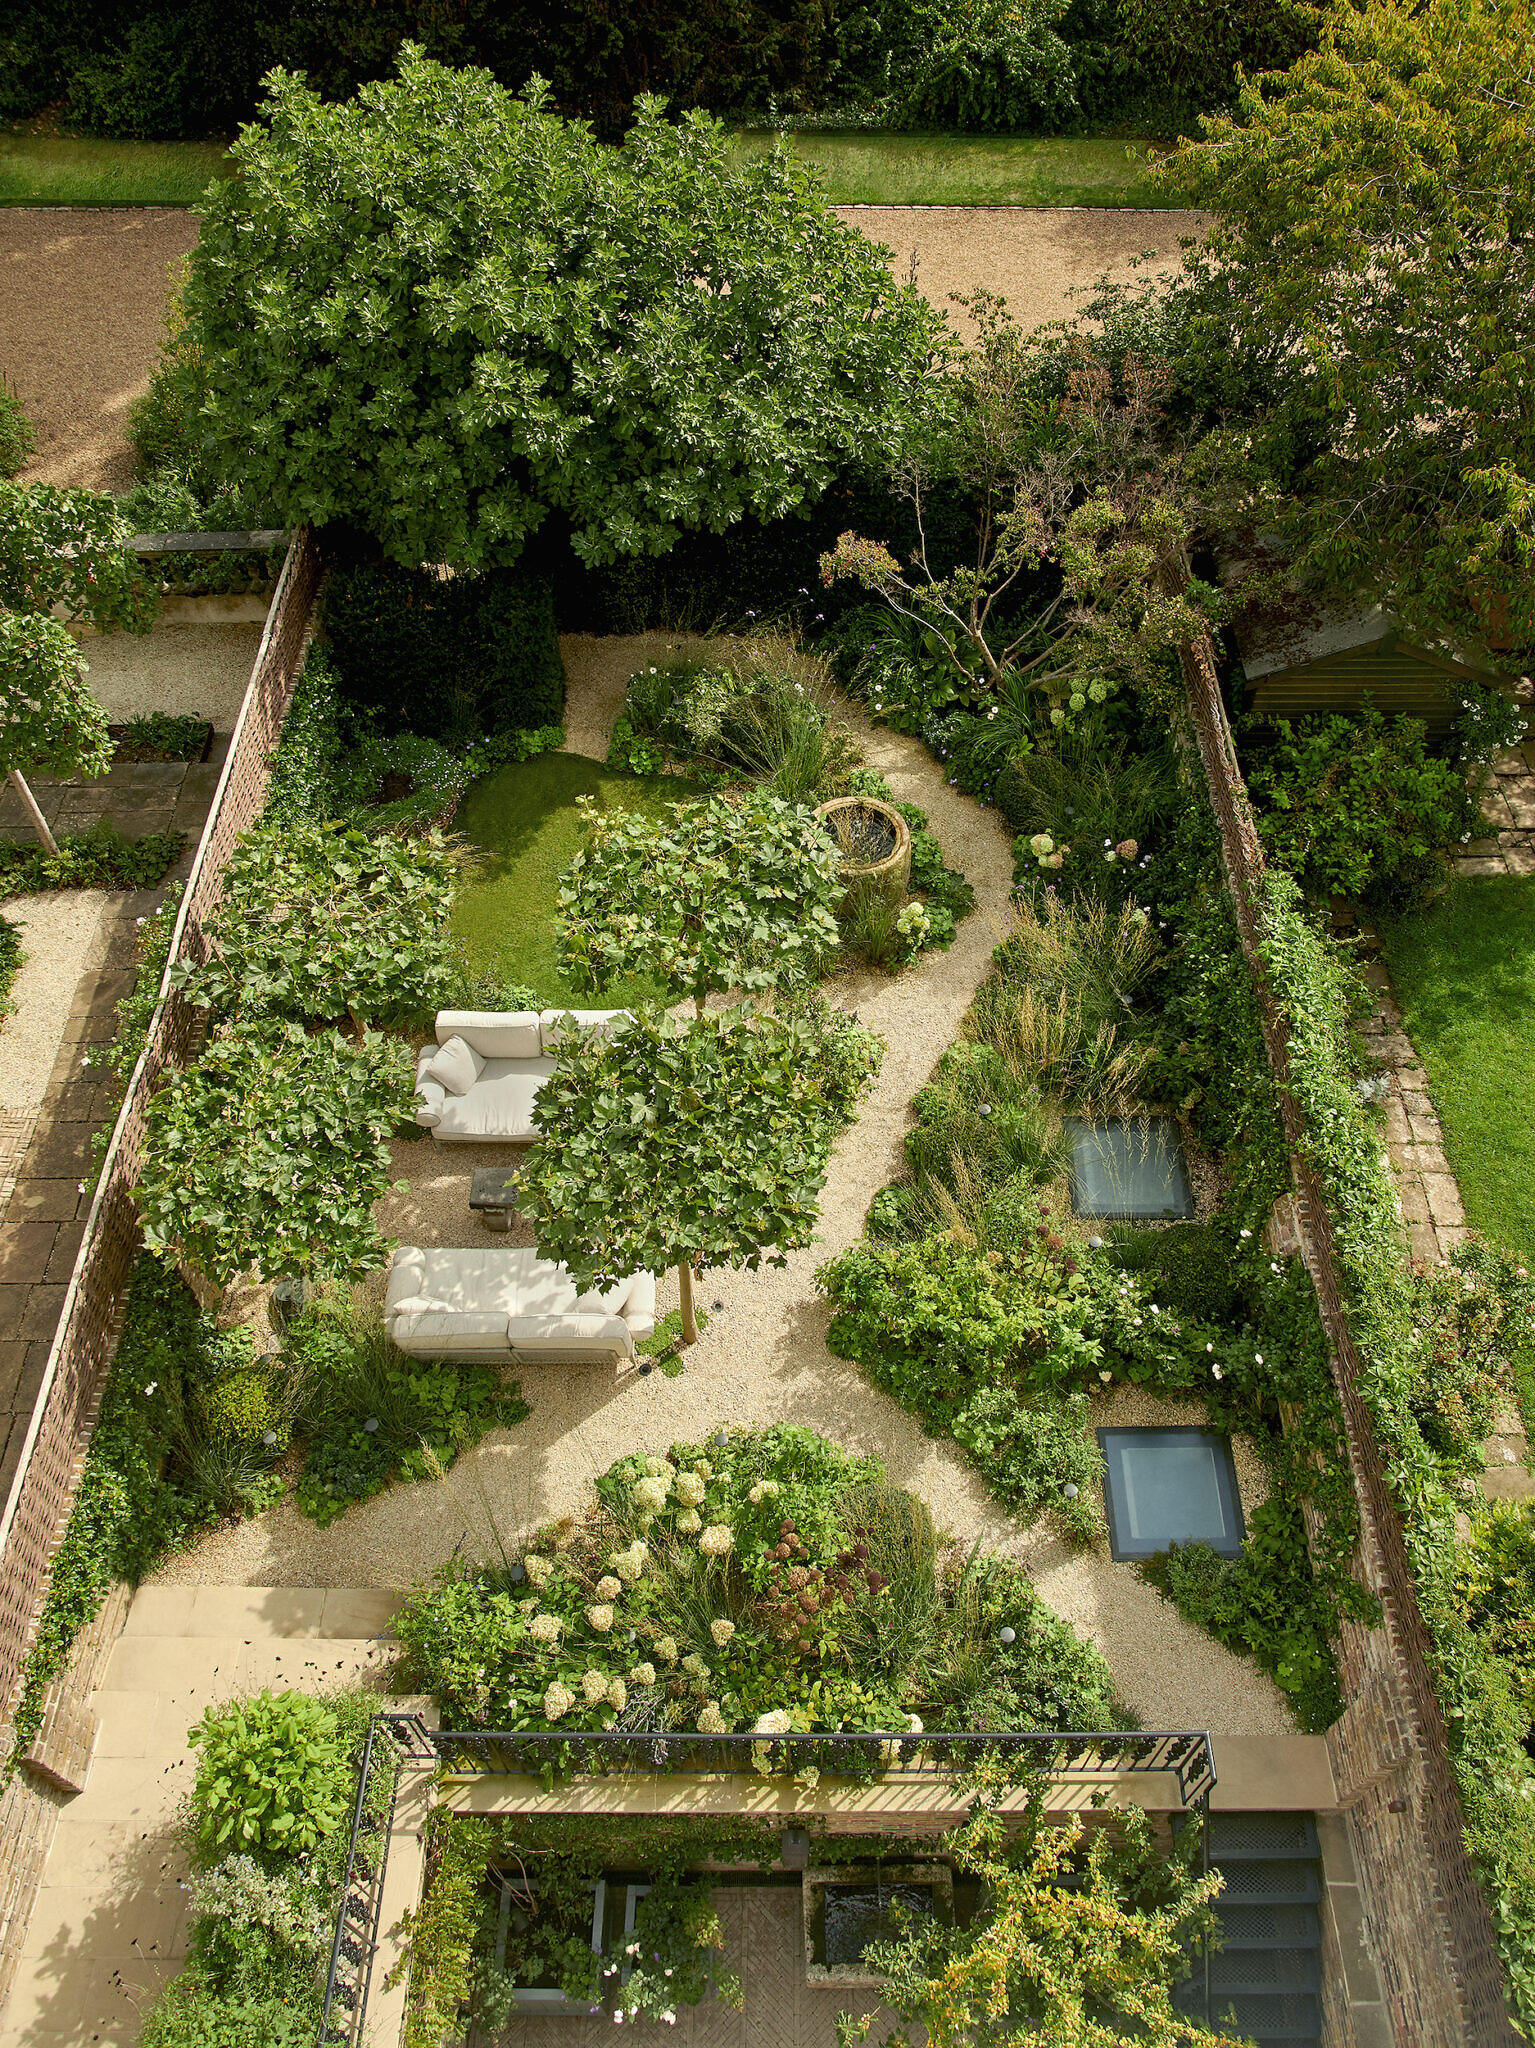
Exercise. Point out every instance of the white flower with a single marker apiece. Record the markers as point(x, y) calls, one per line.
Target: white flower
point(558, 1701)
point(914, 1725)
point(618, 1694)
point(716, 1540)
point(1258, 1357)
point(649, 1495)
point(765, 1489)
point(629, 1564)
point(644, 1674)
point(690, 1521)
point(711, 1721)
point(659, 1468)
point(1217, 1372)
point(774, 1723)
point(609, 1588)
point(695, 1666)
point(595, 1685)
point(721, 1631)
point(601, 1618)
point(689, 1489)
point(538, 1569)
point(1042, 844)
point(1246, 1233)
point(666, 1649)
point(546, 1628)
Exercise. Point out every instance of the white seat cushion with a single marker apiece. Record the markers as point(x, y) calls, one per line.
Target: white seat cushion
point(498, 1034)
point(512, 1280)
point(498, 1106)
point(556, 1340)
point(451, 1336)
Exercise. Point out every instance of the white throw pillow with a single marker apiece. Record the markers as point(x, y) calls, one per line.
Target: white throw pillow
point(456, 1065)
point(419, 1305)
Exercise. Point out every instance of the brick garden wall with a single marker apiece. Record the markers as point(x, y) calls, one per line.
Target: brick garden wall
point(42, 1490)
point(1426, 1918)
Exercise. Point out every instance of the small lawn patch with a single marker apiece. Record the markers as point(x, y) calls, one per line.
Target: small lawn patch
point(524, 819)
point(72, 170)
point(871, 169)
point(1465, 977)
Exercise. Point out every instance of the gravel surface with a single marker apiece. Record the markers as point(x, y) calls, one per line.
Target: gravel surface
point(597, 672)
point(1033, 255)
point(82, 316)
point(764, 1356)
point(57, 934)
point(196, 671)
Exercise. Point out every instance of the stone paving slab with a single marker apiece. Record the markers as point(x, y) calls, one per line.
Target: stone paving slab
point(1508, 814)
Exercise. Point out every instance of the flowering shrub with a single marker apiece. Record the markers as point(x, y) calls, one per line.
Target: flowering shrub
point(801, 1594)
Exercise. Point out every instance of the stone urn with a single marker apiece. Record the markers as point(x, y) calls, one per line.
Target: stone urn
point(873, 844)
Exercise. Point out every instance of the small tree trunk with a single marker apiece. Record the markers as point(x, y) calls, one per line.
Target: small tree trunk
point(40, 823)
point(685, 1286)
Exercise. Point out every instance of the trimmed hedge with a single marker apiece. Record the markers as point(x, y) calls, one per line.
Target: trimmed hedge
point(454, 660)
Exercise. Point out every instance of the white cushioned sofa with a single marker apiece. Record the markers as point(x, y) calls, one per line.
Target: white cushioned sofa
point(476, 1085)
point(507, 1303)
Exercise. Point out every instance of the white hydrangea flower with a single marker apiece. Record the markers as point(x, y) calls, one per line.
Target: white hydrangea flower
point(644, 1674)
point(609, 1588)
point(914, 1725)
point(649, 1495)
point(618, 1694)
point(629, 1564)
point(695, 1666)
point(721, 1631)
point(538, 1570)
point(690, 1521)
point(528, 1606)
point(601, 1618)
point(711, 1721)
point(774, 1723)
point(595, 1685)
point(558, 1701)
point(765, 1489)
point(666, 1649)
point(689, 1489)
point(716, 1540)
point(659, 1468)
point(546, 1628)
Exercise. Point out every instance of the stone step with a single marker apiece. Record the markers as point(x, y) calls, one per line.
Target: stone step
point(249, 1613)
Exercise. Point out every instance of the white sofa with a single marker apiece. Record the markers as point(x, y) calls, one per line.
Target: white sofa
point(484, 1094)
point(500, 1304)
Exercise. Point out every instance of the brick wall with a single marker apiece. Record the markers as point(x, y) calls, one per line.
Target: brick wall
point(1426, 1919)
point(42, 1489)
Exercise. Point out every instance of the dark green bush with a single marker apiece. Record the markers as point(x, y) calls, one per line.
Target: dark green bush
point(101, 858)
point(240, 1407)
point(1192, 1266)
point(453, 660)
point(17, 440)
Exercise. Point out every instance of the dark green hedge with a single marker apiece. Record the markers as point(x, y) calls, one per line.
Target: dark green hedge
point(454, 660)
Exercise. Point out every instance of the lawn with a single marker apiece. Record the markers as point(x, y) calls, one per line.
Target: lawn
point(69, 170)
point(524, 819)
point(1465, 977)
point(866, 168)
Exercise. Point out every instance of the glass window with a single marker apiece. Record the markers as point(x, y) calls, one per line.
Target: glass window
point(1128, 1167)
point(1170, 1486)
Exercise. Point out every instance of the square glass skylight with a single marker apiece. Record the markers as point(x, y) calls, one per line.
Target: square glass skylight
point(1128, 1168)
point(1170, 1486)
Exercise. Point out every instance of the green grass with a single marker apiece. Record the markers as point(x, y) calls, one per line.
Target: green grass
point(524, 819)
point(867, 168)
point(1464, 971)
point(69, 170)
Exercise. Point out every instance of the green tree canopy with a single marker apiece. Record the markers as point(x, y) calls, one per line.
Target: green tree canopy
point(1372, 263)
point(48, 718)
point(325, 921)
point(271, 1152)
point(70, 547)
point(666, 1145)
point(713, 896)
point(443, 314)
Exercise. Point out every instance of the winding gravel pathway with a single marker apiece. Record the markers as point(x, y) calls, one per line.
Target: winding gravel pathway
point(764, 1359)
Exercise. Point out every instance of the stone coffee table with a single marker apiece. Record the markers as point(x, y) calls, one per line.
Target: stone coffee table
point(493, 1191)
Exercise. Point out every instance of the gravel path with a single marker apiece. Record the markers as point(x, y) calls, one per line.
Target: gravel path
point(57, 933)
point(192, 671)
point(82, 316)
point(764, 1359)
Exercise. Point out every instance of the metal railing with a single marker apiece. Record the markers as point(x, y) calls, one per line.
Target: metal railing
point(399, 1739)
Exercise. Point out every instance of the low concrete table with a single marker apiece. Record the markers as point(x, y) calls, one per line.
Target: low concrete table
point(493, 1191)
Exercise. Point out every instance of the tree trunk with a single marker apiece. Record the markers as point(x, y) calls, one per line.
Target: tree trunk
point(685, 1285)
point(40, 823)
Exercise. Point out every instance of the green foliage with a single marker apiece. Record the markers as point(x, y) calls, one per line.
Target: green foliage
point(1079, 1948)
point(453, 660)
point(1401, 135)
point(715, 898)
point(17, 438)
point(273, 1774)
point(765, 1581)
point(1490, 722)
point(323, 922)
point(1358, 807)
point(660, 1144)
point(272, 1151)
point(1191, 50)
point(491, 419)
point(240, 1407)
point(421, 1415)
point(1088, 797)
point(991, 67)
point(11, 958)
point(98, 858)
point(68, 547)
point(163, 736)
point(190, 2013)
point(1190, 1266)
point(48, 718)
point(1495, 1592)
